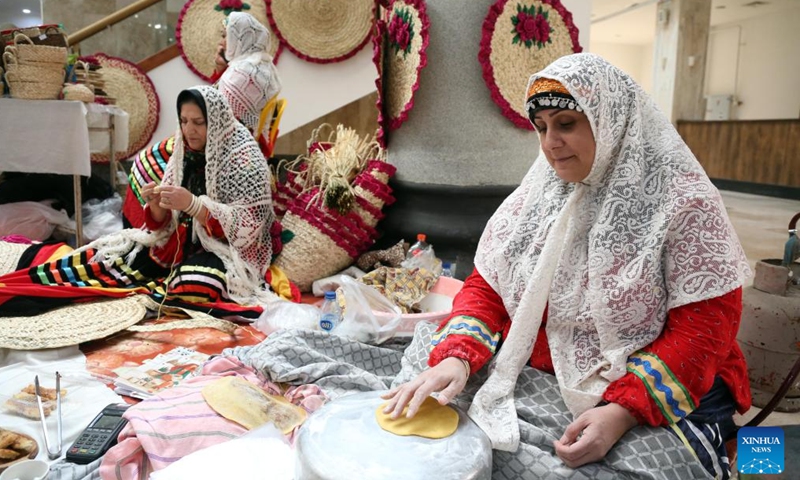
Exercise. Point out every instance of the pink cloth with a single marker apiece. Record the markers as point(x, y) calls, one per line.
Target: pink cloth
point(178, 421)
point(16, 239)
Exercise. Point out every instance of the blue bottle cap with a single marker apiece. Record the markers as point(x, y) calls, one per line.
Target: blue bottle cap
point(330, 295)
point(445, 264)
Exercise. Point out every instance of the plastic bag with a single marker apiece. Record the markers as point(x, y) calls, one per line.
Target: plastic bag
point(368, 316)
point(285, 314)
point(34, 220)
point(101, 217)
point(319, 287)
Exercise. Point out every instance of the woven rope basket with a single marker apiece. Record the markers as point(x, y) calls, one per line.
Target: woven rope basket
point(199, 30)
point(26, 52)
point(322, 31)
point(71, 325)
point(32, 90)
point(33, 72)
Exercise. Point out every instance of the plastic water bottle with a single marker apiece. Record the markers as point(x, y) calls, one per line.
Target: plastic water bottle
point(446, 270)
point(418, 247)
point(331, 314)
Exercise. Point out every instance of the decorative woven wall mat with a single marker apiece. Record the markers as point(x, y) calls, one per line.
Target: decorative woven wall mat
point(378, 48)
point(131, 90)
point(404, 57)
point(322, 31)
point(521, 37)
point(72, 324)
point(10, 253)
point(200, 26)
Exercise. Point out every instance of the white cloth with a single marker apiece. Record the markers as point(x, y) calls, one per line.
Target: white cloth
point(260, 453)
point(86, 396)
point(251, 78)
point(44, 136)
point(98, 116)
point(644, 233)
point(237, 195)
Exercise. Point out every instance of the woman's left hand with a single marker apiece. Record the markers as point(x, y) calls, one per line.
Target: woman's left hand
point(175, 198)
point(590, 437)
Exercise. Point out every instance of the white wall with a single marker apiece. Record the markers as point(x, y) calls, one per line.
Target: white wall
point(310, 89)
point(758, 61)
point(635, 60)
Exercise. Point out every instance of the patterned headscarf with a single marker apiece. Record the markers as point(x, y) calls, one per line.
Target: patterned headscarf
point(251, 78)
point(643, 233)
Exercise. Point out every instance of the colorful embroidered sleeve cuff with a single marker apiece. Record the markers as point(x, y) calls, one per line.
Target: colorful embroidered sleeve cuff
point(469, 326)
point(671, 397)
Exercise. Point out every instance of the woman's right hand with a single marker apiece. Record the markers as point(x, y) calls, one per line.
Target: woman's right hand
point(448, 377)
point(152, 197)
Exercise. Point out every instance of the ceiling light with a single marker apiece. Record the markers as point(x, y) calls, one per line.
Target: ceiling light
point(26, 10)
point(158, 26)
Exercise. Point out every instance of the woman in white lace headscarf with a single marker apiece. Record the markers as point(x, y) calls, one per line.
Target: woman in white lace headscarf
point(250, 80)
point(615, 267)
point(207, 239)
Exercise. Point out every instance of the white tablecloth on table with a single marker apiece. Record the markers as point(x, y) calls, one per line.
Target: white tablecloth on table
point(85, 398)
point(97, 117)
point(44, 136)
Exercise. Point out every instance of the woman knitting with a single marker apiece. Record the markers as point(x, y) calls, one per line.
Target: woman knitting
point(248, 82)
point(614, 267)
point(207, 243)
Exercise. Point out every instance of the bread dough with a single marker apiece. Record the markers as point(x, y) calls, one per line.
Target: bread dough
point(432, 420)
point(248, 405)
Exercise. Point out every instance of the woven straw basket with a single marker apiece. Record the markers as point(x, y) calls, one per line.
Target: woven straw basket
point(27, 52)
point(19, 88)
point(32, 72)
point(326, 241)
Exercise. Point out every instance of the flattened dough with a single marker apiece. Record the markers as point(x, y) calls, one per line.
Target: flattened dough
point(431, 421)
point(244, 403)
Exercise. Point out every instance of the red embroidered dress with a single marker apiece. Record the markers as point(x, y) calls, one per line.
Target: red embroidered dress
point(665, 380)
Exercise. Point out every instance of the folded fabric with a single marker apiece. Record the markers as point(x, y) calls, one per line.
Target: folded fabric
point(404, 287)
point(391, 257)
point(178, 422)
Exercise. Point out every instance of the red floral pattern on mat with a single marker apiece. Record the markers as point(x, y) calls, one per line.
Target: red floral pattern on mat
point(536, 30)
point(133, 348)
point(421, 8)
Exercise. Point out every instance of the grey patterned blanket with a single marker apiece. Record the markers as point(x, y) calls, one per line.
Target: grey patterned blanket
point(342, 367)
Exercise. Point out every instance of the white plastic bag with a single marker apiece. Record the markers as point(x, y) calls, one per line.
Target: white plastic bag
point(319, 287)
point(368, 316)
point(101, 217)
point(285, 314)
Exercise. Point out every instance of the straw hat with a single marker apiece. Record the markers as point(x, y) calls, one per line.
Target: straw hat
point(199, 30)
point(404, 57)
point(518, 42)
point(135, 93)
point(322, 31)
point(72, 324)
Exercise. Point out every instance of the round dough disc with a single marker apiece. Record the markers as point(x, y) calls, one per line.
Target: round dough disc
point(433, 420)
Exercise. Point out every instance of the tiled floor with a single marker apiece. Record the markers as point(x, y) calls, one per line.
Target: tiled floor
point(761, 223)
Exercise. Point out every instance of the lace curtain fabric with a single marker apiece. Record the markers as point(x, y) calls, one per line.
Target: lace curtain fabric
point(251, 78)
point(237, 195)
point(645, 232)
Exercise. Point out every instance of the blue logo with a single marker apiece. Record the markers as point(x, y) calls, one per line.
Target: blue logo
point(760, 450)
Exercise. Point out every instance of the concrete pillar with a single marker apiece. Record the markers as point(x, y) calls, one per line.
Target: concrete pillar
point(680, 57)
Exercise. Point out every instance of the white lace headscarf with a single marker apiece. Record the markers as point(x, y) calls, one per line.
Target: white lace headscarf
point(251, 79)
point(643, 233)
point(237, 195)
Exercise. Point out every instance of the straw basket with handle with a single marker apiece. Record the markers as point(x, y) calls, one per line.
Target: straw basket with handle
point(28, 52)
point(33, 72)
point(20, 88)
